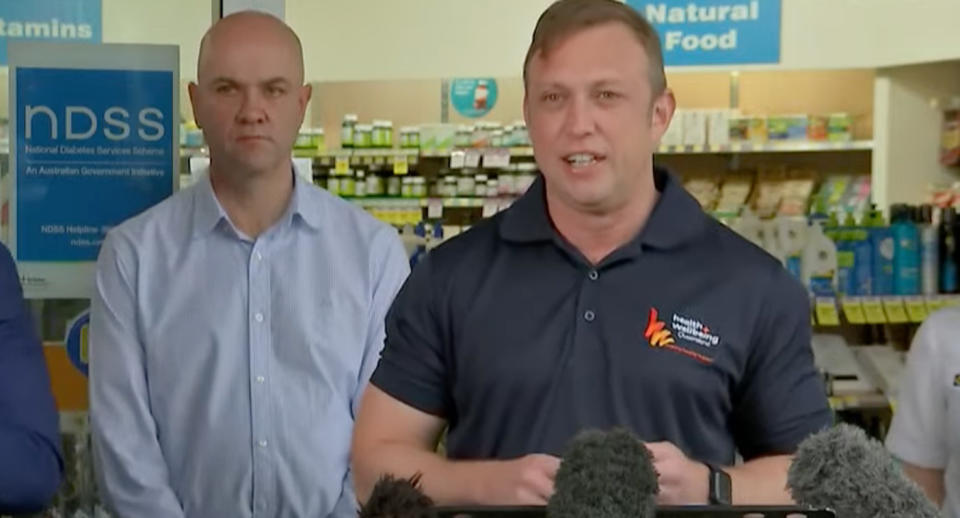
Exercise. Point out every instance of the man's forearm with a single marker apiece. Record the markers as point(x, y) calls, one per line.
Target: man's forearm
point(447, 482)
point(761, 481)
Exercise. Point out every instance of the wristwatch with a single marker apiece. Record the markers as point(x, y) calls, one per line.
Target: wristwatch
point(721, 490)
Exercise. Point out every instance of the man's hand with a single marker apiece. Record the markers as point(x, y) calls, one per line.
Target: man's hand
point(524, 481)
point(682, 481)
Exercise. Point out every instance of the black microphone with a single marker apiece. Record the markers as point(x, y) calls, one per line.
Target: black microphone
point(843, 469)
point(605, 475)
point(398, 498)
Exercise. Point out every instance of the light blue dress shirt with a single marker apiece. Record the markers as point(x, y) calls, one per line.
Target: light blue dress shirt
point(226, 372)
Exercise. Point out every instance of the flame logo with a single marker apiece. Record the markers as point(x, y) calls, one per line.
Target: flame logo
point(655, 333)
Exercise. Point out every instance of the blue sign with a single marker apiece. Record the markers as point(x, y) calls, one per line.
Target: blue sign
point(53, 20)
point(94, 147)
point(473, 98)
point(715, 32)
point(77, 342)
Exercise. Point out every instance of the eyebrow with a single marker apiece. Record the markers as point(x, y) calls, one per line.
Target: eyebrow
point(271, 81)
point(600, 83)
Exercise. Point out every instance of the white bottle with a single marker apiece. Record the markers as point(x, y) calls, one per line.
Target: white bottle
point(819, 263)
point(929, 252)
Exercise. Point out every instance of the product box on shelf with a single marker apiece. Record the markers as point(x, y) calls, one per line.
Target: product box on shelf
point(674, 134)
point(694, 128)
point(950, 138)
point(718, 127)
point(437, 138)
point(787, 127)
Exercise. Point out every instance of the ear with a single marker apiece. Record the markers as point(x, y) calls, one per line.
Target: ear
point(303, 98)
point(193, 91)
point(661, 113)
point(526, 108)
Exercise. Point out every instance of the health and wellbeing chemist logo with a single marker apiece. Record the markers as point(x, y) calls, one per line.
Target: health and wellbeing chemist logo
point(659, 336)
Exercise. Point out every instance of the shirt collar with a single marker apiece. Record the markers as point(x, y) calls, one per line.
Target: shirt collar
point(676, 218)
point(208, 212)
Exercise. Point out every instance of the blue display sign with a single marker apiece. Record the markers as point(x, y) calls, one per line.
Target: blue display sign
point(473, 98)
point(715, 32)
point(49, 20)
point(93, 148)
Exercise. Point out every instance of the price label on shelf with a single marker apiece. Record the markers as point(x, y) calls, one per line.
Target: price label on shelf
point(916, 309)
point(895, 311)
point(342, 166)
point(400, 165)
point(933, 303)
point(826, 310)
point(873, 309)
point(853, 310)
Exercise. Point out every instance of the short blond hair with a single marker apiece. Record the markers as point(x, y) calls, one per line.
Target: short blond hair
point(566, 17)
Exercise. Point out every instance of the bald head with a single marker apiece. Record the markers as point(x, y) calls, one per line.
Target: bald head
point(249, 27)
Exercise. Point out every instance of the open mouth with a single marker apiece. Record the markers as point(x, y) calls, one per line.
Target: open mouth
point(582, 160)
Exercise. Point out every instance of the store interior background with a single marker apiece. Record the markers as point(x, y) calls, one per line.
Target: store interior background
point(894, 66)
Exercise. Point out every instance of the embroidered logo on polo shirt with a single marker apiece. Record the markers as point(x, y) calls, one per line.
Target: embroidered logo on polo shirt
point(692, 330)
point(956, 380)
point(655, 333)
point(659, 336)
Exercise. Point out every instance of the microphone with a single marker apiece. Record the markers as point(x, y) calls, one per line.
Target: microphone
point(843, 469)
point(398, 498)
point(605, 475)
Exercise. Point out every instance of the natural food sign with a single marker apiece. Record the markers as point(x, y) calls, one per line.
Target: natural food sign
point(715, 32)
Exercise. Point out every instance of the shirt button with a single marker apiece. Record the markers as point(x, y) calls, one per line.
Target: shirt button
point(258, 317)
point(589, 316)
point(593, 275)
point(258, 256)
point(261, 379)
point(262, 444)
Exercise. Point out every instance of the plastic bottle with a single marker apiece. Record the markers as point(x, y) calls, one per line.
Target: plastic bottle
point(862, 282)
point(845, 256)
point(948, 251)
point(906, 253)
point(929, 252)
point(881, 239)
point(819, 263)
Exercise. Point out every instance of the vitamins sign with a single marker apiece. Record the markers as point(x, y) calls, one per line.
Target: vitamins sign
point(473, 98)
point(715, 32)
point(51, 20)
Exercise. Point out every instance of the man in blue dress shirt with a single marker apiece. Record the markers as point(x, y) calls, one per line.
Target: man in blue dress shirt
point(30, 461)
point(235, 325)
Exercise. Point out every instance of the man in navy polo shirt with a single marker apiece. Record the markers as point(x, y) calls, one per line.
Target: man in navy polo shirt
point(603, 297)
point(31, 465)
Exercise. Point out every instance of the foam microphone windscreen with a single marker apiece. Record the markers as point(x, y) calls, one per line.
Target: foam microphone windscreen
point(605, 475)
point(394, 497)
point(843, 469)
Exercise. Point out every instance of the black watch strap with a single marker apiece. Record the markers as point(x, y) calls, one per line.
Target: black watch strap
point(721, 490)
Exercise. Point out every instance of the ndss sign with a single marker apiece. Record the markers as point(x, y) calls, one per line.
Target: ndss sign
point(715, 32)
point(92, 146)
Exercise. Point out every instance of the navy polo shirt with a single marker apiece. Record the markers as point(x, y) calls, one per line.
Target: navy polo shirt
point(688, 334)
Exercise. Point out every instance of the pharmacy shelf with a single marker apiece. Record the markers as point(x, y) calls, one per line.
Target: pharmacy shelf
point(381, 156)
point(370, 202)
point(769, 147)
point(860, 402)
point(879, 309)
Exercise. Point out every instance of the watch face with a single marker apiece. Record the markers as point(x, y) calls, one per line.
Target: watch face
point(721, 490)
